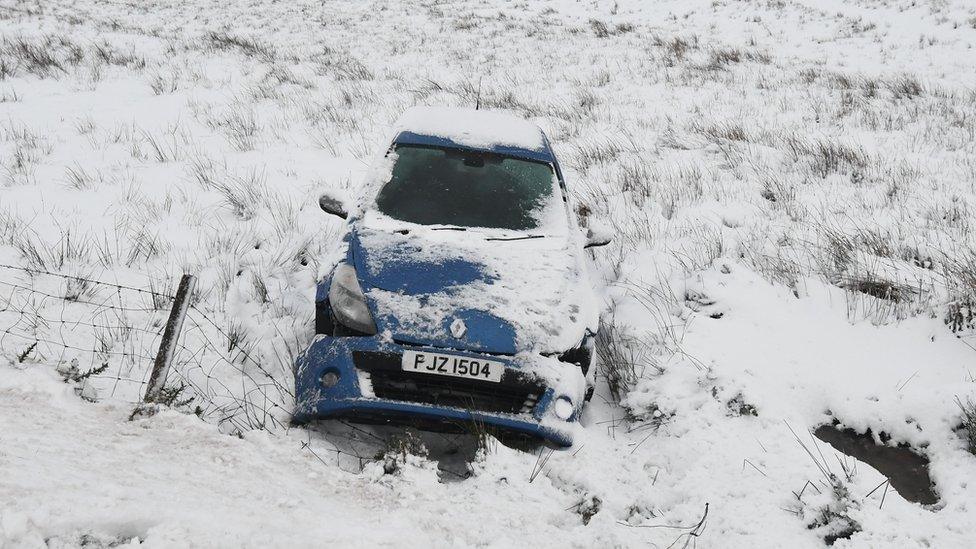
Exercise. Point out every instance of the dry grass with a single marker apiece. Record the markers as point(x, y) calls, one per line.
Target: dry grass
point(246, 45)
point(825, 157)
point(969, 423)
point(959, 270)
point(619, 358)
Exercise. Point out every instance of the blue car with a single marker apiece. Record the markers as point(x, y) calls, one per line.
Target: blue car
point(463, 300)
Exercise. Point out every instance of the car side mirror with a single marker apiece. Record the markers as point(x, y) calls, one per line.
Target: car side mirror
point(597, 234)
point(333, 205)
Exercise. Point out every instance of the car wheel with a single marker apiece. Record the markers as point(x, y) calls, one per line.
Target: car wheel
point(323, 318)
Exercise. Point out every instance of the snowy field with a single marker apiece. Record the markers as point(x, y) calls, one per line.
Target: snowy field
point(791, 187)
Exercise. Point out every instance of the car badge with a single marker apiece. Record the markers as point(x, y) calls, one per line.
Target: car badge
point(458, 328)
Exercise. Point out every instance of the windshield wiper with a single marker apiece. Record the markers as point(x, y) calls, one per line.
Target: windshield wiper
point(501, 238)
point(507, 238)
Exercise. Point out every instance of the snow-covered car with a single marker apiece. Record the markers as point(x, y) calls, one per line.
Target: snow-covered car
point(464, 296)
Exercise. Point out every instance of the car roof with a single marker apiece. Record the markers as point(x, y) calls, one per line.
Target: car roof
point(473, 129)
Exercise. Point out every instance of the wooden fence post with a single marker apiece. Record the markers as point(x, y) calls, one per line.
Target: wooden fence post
point(171, 334)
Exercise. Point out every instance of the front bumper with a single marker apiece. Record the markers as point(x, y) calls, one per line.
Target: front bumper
point(372, 387)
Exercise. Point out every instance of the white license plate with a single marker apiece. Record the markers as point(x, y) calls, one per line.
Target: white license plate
point(452, 365)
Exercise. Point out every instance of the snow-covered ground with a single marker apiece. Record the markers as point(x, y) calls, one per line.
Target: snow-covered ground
point(791, 187)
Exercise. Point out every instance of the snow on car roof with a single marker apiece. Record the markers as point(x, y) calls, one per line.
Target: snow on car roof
point(491, 130)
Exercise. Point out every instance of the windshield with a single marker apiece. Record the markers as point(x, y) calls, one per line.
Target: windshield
point(442, 186)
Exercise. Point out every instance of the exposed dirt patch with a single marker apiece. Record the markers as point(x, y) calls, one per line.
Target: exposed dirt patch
point(907, 470)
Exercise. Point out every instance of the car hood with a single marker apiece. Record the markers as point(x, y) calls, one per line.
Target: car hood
point(460, 290)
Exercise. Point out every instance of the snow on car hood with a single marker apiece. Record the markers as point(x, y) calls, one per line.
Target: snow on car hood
point(512, 296)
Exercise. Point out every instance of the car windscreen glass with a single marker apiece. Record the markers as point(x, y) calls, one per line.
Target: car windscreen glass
point(442, 186)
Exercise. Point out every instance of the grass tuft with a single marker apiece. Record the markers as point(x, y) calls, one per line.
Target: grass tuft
point(251, 47)
point(969, 423)
point(825, 157)
point(619, 357)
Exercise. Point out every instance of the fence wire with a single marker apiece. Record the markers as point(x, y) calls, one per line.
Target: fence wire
point(103, 337)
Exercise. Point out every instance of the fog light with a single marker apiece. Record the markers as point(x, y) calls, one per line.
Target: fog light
point(330, 379)
point(563, 407)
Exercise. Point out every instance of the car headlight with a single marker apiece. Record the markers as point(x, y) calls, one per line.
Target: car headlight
point(348, 302)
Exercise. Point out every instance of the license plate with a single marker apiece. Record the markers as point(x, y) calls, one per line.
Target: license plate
point(452, 365)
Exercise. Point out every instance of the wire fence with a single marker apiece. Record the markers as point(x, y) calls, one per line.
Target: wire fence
point(103, 337)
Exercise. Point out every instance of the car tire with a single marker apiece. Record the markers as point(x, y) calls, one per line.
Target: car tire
point(323, 318)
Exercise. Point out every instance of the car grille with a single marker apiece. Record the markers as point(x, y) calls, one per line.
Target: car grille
point(514, 394)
